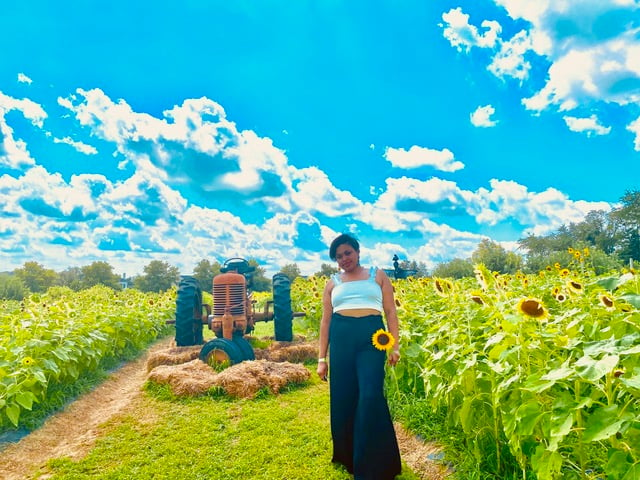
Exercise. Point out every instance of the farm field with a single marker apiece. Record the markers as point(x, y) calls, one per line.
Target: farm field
point(540, 373)
point(533, 376)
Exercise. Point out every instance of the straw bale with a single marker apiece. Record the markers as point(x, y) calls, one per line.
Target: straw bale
point(186, 379)
point(173, 356)
point(246, 379)
point(288, 352)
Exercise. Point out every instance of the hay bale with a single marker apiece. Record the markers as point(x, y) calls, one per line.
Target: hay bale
point(288, 352)
point(186, 379)
point(246, 379)
point(173, 356)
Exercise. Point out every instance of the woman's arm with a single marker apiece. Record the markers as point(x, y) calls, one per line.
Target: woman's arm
point(390, 313)
point(323, 349)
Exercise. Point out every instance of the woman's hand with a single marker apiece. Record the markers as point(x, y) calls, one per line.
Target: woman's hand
point(323, 369)
point(394, 356)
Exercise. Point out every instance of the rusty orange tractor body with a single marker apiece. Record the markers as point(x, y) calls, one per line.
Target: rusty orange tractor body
point(232, 315)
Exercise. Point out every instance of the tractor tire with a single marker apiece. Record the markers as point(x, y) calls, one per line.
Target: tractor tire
point(283, 315)
point(220, 352)
point(244, 346)
point(189, 312)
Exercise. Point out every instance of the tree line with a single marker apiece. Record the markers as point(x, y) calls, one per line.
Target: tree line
point(612, 240)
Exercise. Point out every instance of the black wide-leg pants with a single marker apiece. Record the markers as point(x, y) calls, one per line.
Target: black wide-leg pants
point(364, 440)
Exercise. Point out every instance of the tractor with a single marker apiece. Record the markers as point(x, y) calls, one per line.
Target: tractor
point(233, 314)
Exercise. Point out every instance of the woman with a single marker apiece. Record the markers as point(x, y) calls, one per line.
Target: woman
point(364, 440)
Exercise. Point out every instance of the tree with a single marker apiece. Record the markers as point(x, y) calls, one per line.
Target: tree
point(71, 277)
point(629, 217)
point(11, 287)
point(99, 273)
point(326, 270)
point(259, 282)
point(291, 270)
point(419, 267)
point(496, 258)
point(456, 268)
point(35, 277)
point(204, 272)
point(158, 276)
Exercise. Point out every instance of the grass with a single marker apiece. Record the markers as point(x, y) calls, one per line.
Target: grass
point(273, 437)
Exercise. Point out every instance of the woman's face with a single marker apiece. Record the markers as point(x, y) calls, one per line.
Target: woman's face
point(347, 257)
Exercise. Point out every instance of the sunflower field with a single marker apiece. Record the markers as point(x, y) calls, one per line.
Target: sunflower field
point(53, 339)
point(538, 370)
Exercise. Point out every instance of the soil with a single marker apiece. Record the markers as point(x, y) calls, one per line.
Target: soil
point(72, 432)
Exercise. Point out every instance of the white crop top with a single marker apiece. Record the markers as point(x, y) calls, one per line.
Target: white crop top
point(356, 293)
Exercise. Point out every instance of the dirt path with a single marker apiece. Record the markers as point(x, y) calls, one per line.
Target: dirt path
point(72, 432)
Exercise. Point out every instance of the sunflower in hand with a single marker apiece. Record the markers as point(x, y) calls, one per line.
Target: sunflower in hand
point(383, 340)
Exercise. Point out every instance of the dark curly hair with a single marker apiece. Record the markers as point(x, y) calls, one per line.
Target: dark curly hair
point(341, 240)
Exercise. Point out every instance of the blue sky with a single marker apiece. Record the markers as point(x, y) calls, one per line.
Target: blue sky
point(177, 131)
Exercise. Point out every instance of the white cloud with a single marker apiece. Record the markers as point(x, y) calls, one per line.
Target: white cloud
point(634, 127)
point(79, 146)
point(421, 156)
point(193, 144)
point(15, 153)
point(510, 60)
point(589, 125)
point(481, 117)
point(22, 78)
point(314, 192)
point(463, 35)
point(591, 47)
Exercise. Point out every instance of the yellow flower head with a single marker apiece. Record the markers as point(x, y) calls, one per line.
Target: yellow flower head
point(606, 301)
point(564, 272)
point(577, 254)
point(532, 307)
point(442, 287)
point(570, 250)
point(561, 297)
point(557, 265)
point(28, 361)
point(575, 287)
point(383, 340)
point(586, 251)
point(478, 299)
point(555, 291)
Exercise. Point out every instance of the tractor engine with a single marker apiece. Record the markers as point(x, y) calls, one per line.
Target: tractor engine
point(231, 309)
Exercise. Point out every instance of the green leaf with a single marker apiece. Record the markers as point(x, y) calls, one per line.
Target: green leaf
point(610, 283)
point(593, 370)
point(546, 464)
point(633, 473)
point(25, 399)
point(632, 299)
point(13, 412)
point(559, 373)
point(633, 382)
point(603, 423)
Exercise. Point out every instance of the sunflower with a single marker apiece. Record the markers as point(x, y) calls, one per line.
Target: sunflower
point(570, 250)
point(561, 297)
point(477, 299)
point(532, 307)
point(606, 301)
point(586, 251)
point(28, 361)
point(577, 254)
point(575, 287)
point(383, 340)
point(564, 272)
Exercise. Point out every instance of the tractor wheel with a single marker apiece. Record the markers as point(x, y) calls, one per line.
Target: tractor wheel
point(220, 353)
point(283, 315)
point(244, 346)
point(188, 312)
